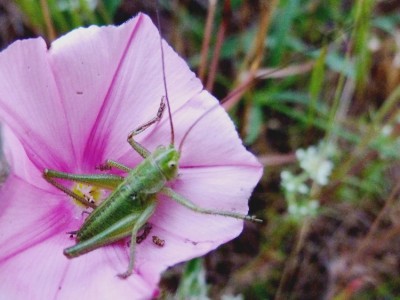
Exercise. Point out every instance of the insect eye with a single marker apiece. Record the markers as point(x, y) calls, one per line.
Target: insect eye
point(172, 164)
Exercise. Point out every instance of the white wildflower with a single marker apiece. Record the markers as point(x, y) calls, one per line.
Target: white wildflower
point(387, 130)
point(292, 183)
point(315, 163)
point(313, 205)
point(303, 208)
point(374, 44)
point(293, 209)
point(303, 189)
point(232, 297)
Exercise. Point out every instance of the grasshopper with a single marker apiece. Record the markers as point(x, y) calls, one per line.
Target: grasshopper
point(133, 199)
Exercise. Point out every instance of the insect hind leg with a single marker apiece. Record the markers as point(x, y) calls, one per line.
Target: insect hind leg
point(67, 191)
point(107, 181)
point(141, 221)
point(189, 204)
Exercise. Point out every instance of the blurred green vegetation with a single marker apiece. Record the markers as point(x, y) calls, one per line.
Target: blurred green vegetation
point(294, 73)
point(64, 15)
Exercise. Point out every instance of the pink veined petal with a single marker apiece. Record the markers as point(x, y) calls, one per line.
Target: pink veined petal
point(152, 260)
point(80, 99)
point(30, 106)
point(189, 234)
point(217, 172)
point(43, 272)
point(213, 141)
point(20, 164)
point(98, 271)
point(111, 78)
point(34, 225)
point(139, 88)
point(28, 216)
point(219, 188)
point(85, 63)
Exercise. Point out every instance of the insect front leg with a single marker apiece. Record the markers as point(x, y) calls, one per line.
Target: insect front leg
point(189, 204)
point(114, 164)
point(135, 145)
point(141, 221)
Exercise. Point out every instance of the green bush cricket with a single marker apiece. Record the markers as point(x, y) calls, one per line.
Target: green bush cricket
point(133, 199)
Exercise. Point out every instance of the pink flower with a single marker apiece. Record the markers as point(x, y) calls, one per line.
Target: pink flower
point(71, 107)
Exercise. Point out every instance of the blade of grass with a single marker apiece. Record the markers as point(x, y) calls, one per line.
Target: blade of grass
point(206, 40)
point(316, 84)
point(363, 17)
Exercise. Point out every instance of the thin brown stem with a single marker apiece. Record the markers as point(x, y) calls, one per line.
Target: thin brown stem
point(51, 33)
point(367, 240)
point(218, 45)
point(206, 41)
point(254, 59)
point(292, 261)
point(233, 97)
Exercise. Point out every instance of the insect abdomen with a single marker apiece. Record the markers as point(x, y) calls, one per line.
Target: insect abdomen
point(118, 206)
point(131, 196)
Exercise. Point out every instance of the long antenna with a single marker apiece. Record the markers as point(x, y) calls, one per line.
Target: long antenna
point(164, 78)
point(195, 123)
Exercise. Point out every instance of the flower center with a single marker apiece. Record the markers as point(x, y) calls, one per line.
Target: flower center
point(91, 193)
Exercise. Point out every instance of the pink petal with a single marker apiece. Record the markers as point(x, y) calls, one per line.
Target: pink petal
point(20, 164)
point(30, 106)
point(188, 234)
point(221, 188)
point(213, 141)
point(83, 117)
point(33, 236)
point(43, 272)
point(119, 88)
point(78, 101)
point(28, 215)
point(85, 63)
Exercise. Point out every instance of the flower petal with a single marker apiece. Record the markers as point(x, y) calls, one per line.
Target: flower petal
point(119, 88)
point(29, 103)
point(91, 276)
point(98, 270)
point(90, 103)
point(189, 234)
point(219, 188)
point(32, 238)
point(85, 63)
point(212, 141)
point(83, 82)
point(20, 164)
point(139, 89)
point(28, 215)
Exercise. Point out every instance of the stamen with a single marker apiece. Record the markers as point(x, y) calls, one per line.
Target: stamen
point(90, 193)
